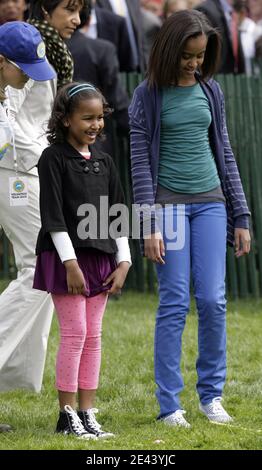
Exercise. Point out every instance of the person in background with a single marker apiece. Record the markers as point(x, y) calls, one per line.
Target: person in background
point(79, 270)
point(249, 33)
point(103, 72)
point(170, 6)
point(104, 24)
point(193, 3)
point(25, 314)
point(255, 11)
point(154, 6)
point(258, 51)
point(12, 10)
point(222, 16)
point(151, 24)
point(130, 10)
point(22, 56)
point(185, 173)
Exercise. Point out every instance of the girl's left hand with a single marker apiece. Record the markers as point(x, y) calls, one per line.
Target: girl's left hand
point(118, 277)
point(242, 242)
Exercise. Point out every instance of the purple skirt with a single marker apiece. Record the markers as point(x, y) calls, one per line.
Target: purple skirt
point(50, 273)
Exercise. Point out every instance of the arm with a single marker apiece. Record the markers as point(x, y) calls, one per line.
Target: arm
point(27, 114)
point(123, 256)
point(63, 246)
point(75, 278)
point(50, 169)
point(25, 141)
point(66, 252)
point(123, 251)
point(142, 179)
point(235, 195)
point(140, 153)
point(123, 259)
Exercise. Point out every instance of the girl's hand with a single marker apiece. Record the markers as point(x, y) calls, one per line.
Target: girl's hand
point(75, 278)
point(242, 242)
point(118, 277)
point(155, 248)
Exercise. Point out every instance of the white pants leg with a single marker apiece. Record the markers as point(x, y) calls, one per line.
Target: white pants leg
point(25, 313)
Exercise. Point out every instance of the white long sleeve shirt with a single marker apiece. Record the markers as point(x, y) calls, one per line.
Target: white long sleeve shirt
point(65, 249)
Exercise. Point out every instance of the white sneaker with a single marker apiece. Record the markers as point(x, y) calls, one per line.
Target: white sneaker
point(215, 412)
point(176, 419)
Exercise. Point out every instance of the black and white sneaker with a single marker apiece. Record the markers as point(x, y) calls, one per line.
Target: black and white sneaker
point(70, 423)
point(91, 425)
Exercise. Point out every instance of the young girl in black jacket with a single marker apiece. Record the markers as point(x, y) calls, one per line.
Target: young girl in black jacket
point(80, 257)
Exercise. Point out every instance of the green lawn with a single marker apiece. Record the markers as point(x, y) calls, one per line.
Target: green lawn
point(126, 396)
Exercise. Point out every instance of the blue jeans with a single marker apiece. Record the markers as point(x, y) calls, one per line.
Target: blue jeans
point(203, 255)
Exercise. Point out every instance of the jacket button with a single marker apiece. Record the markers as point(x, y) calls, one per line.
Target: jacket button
point(86, 169)
point(96, 164)
point(96, 169)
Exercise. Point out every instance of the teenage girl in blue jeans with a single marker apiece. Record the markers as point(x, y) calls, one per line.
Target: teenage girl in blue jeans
point(181, 157)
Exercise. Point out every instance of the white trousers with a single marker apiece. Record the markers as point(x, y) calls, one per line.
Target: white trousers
point(25, 313)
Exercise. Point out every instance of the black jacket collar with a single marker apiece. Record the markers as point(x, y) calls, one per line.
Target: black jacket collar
point(70, 152)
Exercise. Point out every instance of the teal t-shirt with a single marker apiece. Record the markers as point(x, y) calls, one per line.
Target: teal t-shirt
point(186, 163)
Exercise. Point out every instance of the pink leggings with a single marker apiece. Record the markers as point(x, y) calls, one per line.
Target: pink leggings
point(79, 354)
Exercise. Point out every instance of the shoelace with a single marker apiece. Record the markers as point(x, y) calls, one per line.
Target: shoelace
point(217, 406)
point(179, 418)
point(92, 419)
point(76, 421)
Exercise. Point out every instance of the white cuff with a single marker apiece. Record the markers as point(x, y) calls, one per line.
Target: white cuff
point(63, 245)
point(123, 250)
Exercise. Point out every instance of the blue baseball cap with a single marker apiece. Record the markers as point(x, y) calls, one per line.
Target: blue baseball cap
point(22, 44)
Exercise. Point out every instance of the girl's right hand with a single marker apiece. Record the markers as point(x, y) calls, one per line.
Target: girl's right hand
point(75, 278)
point(155, 248)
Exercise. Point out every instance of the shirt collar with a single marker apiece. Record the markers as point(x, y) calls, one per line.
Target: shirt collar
point(71, 152)
point(93, 18)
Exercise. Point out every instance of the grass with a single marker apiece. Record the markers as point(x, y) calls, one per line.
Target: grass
point(126, 395)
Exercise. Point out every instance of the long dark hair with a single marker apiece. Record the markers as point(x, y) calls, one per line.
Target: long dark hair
point(166, 53)
point(64, 106)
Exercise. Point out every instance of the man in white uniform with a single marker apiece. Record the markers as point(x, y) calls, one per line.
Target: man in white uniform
point(25, 314)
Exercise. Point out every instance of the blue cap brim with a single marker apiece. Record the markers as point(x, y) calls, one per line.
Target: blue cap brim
point(39, 71)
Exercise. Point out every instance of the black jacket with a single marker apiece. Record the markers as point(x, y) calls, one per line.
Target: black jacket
point(136, 19)
point(67, 181)
point(215, 14)
point(95, 61)
point(113, 28)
